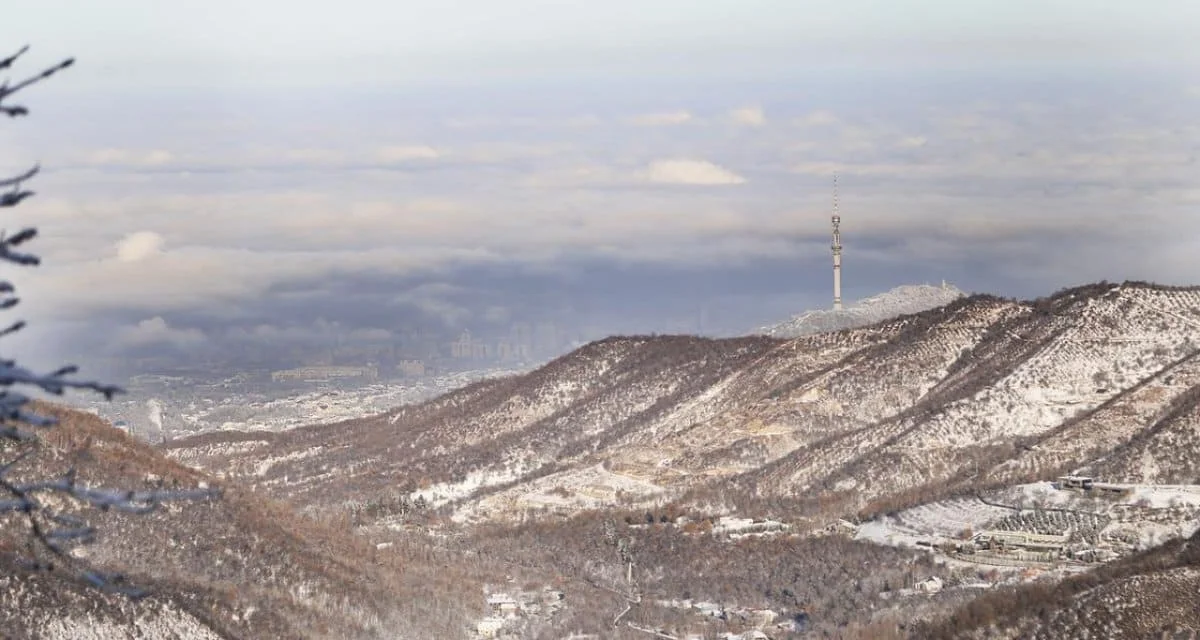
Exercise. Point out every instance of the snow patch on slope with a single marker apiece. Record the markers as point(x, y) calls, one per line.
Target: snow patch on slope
point(164, 623)
point(1145, 515)
point(444, 492)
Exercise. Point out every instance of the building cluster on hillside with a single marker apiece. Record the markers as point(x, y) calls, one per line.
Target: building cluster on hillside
point(766, 623)
point(1052, 535)
point(509, 613)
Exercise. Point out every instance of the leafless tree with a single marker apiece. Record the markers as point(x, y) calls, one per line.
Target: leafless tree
point(49, 505)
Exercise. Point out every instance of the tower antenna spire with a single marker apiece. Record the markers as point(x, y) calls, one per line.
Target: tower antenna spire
point(837, 249)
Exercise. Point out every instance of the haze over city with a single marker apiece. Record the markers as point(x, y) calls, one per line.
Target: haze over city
point(220, 174)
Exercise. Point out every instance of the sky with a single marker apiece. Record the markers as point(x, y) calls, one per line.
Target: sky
point(217, 173)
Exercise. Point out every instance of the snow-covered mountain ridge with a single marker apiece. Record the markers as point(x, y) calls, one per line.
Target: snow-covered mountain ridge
point(1095, 375)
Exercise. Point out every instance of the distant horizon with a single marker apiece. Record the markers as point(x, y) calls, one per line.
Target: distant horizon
point(609, 168)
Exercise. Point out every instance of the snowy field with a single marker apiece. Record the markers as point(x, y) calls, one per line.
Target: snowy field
point(1141, 517)
point(931, 522)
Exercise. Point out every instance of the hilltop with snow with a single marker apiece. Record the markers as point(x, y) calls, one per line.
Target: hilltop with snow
point(903, 300)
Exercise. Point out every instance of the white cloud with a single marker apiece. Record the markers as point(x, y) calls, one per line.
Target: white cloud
point(913, 142)
point(691, 172)
point(405, 153)
point(139, 246)
point(749, 116)
point(156, 331)
point(128, 157)
point(665, 119)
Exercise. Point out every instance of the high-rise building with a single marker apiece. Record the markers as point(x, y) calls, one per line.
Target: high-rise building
point(521, 336)
point(546, 339)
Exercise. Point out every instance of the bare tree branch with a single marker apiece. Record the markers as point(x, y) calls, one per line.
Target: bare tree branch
point(6, 90)
point(14, 197)
point(51, 528)
point(16, 180)
point(8, 62)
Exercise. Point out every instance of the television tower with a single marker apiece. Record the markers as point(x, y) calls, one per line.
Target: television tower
point(837, 250)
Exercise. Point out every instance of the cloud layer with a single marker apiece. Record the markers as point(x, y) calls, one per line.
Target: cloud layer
point(181, 228)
